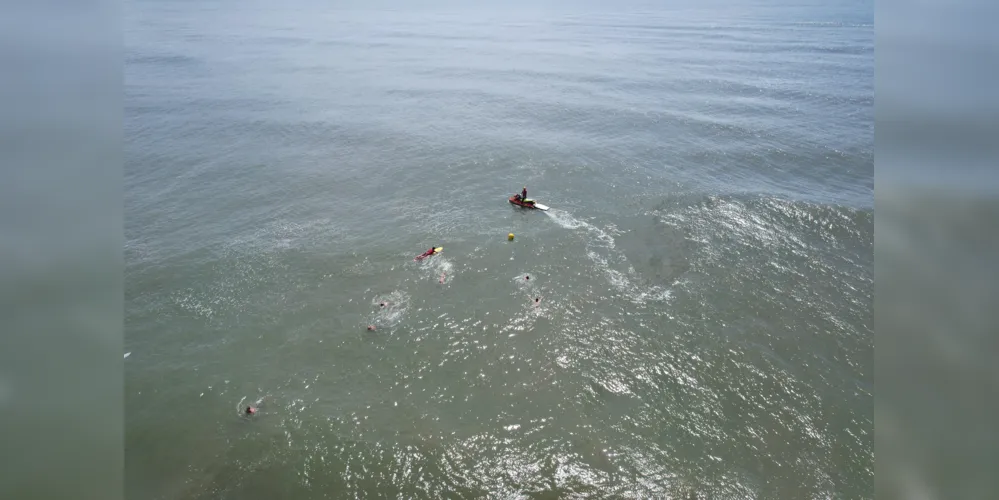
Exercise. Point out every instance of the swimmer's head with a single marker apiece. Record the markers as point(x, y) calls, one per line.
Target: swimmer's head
point(527, 277)
point(371, 328)
point(250, 410)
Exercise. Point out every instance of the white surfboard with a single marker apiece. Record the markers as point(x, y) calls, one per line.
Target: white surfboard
point(540, 206)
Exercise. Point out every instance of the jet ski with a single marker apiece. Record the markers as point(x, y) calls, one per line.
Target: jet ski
point(516, 200)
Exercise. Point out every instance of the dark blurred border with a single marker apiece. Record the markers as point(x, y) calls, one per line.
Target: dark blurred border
point(60, 251)
point(937, 250)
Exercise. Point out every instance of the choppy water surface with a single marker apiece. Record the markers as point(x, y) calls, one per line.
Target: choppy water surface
point(704, 278)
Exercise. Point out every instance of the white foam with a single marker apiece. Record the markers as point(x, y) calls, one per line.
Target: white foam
point(442, 265)
point(397, 304)
point(601, 249)
point(565, 219)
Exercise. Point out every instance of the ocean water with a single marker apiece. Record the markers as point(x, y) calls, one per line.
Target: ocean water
point(704, 279)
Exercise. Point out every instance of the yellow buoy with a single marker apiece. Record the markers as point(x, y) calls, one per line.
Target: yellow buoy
point(509, 236)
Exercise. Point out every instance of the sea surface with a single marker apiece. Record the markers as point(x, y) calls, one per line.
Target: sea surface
point(698, 318)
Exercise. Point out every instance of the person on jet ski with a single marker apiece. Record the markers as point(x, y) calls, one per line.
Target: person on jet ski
point(522, 197)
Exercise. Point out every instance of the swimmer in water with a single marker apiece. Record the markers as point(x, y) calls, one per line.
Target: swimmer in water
point(537, 301)
point(527, 277)
point(250, 410)
point(382, 304)
point(371, 328)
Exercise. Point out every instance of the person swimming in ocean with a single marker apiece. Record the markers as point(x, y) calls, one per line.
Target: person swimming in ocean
point(250, 410)
point(428, 253)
